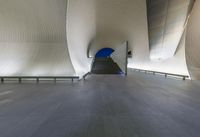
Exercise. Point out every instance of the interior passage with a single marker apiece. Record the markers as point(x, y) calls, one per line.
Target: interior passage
point(105, 66)
point(138, 105)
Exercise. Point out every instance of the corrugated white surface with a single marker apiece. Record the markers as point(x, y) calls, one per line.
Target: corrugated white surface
point(33, 38)
point(166, 19)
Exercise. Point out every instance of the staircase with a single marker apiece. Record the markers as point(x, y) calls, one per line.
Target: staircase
point(105, 66)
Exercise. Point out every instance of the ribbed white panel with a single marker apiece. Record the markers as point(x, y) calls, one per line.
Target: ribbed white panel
point(166, 20)
point(33, 38)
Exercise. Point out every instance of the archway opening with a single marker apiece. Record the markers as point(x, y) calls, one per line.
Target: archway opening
point(104, 64)
point(104, 53)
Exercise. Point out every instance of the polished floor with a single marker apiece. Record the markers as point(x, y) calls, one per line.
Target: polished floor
point(102, 106)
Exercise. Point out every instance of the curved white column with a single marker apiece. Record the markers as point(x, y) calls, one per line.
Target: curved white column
point(33, 38)
point(81, 27)
point(192, 42)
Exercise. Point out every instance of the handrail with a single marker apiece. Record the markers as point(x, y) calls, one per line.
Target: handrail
point(158, 72)
point(20, 78)
point(126, 63)
point(84, 76)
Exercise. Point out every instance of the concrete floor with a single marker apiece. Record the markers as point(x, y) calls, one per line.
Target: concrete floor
point(102, 106)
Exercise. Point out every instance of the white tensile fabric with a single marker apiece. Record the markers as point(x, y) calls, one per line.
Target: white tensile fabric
point(33, 38)
point(192, 42)
point(167, 20)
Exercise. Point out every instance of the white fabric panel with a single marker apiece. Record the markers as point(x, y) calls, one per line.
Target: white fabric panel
point(193, 42)
point(81, 30)
point(120, 56)
point(166, 25)
point(33, 38)
point(174, 65)
point(121, 20)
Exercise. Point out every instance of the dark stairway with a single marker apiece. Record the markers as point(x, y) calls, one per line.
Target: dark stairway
point(105, 66)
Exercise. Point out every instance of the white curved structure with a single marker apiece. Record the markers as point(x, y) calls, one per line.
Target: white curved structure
point(192, 42)
point(52, 37)
point(33, 38)
point(122, 20)
point(81, 31)
point(167, 19)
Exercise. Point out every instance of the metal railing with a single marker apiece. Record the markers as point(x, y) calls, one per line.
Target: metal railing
point(184, 77)
point(38, 78)
point(84, 76)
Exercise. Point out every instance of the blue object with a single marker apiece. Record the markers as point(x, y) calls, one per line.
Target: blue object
point(105, 52)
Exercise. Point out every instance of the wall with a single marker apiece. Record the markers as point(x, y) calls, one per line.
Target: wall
point(192, 42)
point(33, 38)
point(119, 56)
point(174, 65)
point(119, 21)
point(81, 31)
point(166, 19)
point(170, 57)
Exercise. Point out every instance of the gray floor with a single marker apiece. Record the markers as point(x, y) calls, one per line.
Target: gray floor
point(102, 106)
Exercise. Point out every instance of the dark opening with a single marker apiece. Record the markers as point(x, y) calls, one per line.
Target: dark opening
point(104, 64)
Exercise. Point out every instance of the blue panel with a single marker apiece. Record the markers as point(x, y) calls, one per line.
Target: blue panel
point(105, 52)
